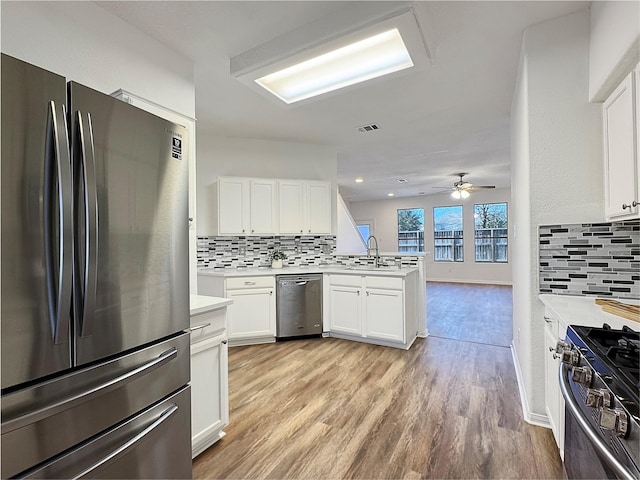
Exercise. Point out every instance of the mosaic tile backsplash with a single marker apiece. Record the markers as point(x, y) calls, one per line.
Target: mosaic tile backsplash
point(599, 259)
point(234, 252)
point(241, 252)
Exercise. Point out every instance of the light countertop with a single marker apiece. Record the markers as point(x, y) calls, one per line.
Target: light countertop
point(576, 310)
point(203, 303)
point(246, 272)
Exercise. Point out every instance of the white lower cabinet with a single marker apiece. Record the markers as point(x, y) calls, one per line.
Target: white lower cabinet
point(554, 403)
point(373, 309)
point(380, 307)
point(209, 392)
point(252, 314)
point(345, 304)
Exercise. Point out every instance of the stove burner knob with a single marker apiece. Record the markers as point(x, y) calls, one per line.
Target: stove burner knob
point(570, 357)
point(615, 420)
point(581, 375)
point(598, 398)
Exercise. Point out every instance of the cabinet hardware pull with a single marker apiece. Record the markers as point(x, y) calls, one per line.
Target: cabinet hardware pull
point(634, 204)
point(625, 206)
point(224, 342)
point(249, 283)
point(199, 327)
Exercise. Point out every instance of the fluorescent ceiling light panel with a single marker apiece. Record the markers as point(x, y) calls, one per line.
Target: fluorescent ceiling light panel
point(372, 57)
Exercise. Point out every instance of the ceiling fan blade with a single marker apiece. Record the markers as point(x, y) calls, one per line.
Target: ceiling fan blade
point(481, 187)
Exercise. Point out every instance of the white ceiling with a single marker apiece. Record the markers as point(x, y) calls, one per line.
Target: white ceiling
point(450, 117)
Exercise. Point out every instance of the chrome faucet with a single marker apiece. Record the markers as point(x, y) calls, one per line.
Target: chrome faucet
point(376, 259)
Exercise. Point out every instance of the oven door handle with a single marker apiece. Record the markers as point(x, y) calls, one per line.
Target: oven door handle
point(601, 448)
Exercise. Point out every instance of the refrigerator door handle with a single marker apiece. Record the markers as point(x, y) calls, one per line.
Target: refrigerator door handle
point(58, 227)
point(90, 274)
point(164, 416)
point(85, 395)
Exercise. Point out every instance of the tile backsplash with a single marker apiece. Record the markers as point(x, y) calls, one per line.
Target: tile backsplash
point(234, 252)
point(599, 259)
point(304, 250)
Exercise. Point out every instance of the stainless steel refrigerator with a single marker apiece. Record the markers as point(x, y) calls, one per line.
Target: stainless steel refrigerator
point(95, 301)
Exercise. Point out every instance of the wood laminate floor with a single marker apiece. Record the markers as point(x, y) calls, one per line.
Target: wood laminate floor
point(333, 409)
point(471, 312)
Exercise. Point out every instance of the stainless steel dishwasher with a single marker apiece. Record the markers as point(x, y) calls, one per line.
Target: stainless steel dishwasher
point(298, 305)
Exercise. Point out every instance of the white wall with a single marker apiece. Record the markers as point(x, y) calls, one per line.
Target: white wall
point(384, 214)
point(557, 172)
point(614, 45)
point(248, 157)
point(85, 43)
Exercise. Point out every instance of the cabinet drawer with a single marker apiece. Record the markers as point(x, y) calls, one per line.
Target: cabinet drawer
point(389, 283)
point(346, 280)
point(208, 324)
point(265, 281)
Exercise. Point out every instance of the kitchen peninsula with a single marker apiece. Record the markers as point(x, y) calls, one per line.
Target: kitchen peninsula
point(361, 303)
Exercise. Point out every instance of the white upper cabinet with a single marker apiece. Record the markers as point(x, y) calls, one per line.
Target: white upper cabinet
point(233, 206)
point(245, 206)
point(621, 171)
point(263, 207)
point(318, 207)
point(291, 206)
point(305, 207)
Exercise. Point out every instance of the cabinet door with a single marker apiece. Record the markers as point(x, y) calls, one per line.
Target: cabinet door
point(553, 398)
point(263, 214)
point(318, 207)
point(345, 304)
point(209, 392)
point(384, 313)
point(252, 314)
point(233, 206)
point(620, 151)
point(291, 195)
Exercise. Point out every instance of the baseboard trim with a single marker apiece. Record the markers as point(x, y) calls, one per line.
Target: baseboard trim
point(480, 282)
point(529, 417)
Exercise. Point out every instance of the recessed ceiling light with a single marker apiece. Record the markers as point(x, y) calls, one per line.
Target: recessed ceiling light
point(357, 62)
point(390, 194)
point(359, 180)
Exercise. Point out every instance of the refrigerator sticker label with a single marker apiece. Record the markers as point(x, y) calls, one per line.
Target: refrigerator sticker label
point(176, 148)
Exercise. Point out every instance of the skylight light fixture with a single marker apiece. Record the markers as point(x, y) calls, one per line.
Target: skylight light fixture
point(373, 57)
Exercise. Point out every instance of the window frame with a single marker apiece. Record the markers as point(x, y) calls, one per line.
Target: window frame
point(457, 242)
point(420, 238)
point(493, 237)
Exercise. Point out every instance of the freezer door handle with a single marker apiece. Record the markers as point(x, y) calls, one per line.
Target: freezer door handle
point(164, 416)
point(57, 211)
point(87, 296)
point(90, 393)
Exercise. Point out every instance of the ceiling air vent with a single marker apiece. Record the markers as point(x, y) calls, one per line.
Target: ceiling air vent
point(368, 128)
point(402, 180)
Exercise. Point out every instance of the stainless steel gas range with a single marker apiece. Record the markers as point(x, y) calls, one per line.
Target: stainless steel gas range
point(600, 384)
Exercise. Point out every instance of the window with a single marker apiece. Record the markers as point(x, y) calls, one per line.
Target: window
point(491, 230)
point(447, 234)
point(411, 230)
point(365, 230)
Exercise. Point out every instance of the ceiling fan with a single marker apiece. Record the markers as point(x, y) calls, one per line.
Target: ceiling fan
point(462, 189)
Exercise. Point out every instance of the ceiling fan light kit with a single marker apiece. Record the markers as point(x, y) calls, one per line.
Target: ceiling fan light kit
point(462, 189)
